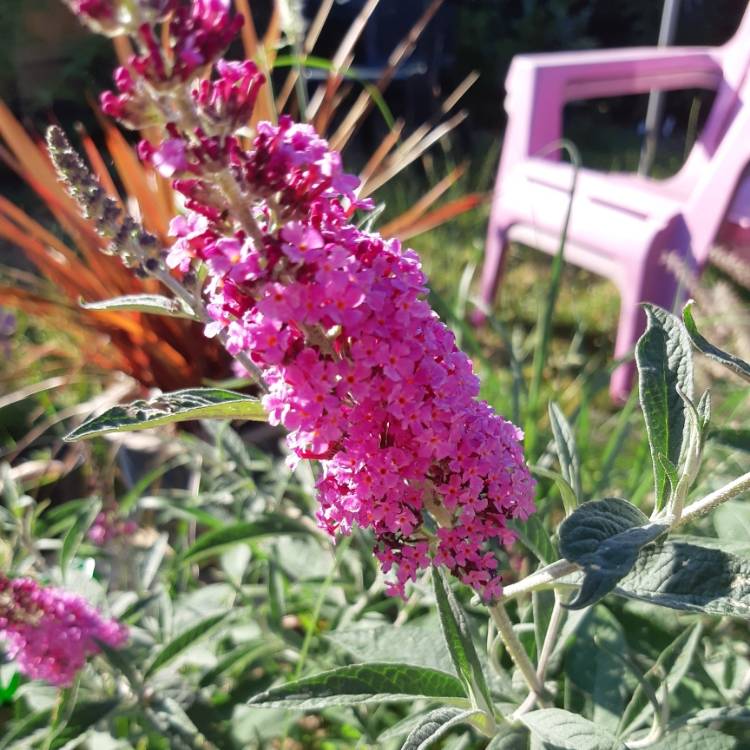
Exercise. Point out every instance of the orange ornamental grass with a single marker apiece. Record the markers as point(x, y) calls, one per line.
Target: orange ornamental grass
point(171, 353)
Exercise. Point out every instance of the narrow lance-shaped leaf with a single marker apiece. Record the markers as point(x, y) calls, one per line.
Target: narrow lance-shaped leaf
point(665, 368)
point(179, 406)
point(536, 538)
point(23, 728)
point(567, 493)
point(458, 639)
point(364, 683)
point(670, 667)
point(735, 364)
point(213, 542)
point(77, 532)
point(83, 718)
point(182, 642)
point(604, 537)
point(567, 450)
point(155, 304)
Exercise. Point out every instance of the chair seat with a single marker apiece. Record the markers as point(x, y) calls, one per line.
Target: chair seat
point(535, 199)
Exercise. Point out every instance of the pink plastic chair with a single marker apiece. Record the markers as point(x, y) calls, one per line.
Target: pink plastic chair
point(622, 224)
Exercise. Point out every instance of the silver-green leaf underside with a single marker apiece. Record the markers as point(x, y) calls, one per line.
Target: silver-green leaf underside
point(154, 304)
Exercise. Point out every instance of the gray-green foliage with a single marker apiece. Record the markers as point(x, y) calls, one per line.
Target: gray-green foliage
point(243, 617)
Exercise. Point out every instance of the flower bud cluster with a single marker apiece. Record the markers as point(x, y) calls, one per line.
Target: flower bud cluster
point(359, 368)
point(50, 632)
point(115, 17)
point(107, 527)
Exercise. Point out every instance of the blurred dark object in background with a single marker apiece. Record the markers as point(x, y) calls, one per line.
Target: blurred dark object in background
point(418, 85)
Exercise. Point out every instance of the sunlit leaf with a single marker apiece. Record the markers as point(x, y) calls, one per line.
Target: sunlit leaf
point(362, 684)
point(180, 406)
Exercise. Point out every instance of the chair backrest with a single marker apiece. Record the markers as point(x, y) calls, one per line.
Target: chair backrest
point(735, 62)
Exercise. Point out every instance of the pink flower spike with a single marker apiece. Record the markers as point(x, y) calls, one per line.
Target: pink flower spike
point(50, 632)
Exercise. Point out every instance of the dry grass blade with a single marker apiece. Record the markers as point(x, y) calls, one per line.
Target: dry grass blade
point(400, 161)
point(116, 393)
point(401, 223)
point(21, 394)
point(364, 101)
point(342, 58)
point(27, 152)
point(732, 265)
point(447, 105)
point(248, 34)
point(36, 471)
point(313, 33)
point(441, 215)
point(265, 107)
point(380, 153)
point(139, 182)
point(66, 273)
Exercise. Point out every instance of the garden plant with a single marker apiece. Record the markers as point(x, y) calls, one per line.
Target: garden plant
point(355, 580)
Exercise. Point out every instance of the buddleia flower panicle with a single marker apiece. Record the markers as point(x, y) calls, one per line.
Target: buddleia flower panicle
point(359, 368)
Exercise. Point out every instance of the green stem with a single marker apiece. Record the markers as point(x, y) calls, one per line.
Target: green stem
point(544, 325)
point(516, 650)
point(310, 630)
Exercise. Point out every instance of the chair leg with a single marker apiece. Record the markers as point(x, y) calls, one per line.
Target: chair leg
point(494, 261)
point(655, 284)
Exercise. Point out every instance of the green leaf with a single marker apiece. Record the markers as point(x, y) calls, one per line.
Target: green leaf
point(25, 727)
point(691, 578)
point(739, 438)
point(732, 521)
point(568, 495)
point(458, 638)
point(739, 714)
point(121, 660)
point(418, 643)
point(213, 542)
point(739, 546)
point(665, 368)
point(84, 716)
point(155, 304)
point(364, 683)
point(735, 364)
point(8, 691)
point(182, 642)
point(591, 665)
point(508, 738)
point(241, 657)
point(695, 739)
point(604, 537)
point(567, 451)
point(672, 665)
point(562, 730)
point(179, 406)
point(534, 536)
point(434, 726)
point(77, 532)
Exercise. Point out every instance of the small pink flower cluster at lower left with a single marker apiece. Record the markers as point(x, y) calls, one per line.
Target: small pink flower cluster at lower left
point(50, 632)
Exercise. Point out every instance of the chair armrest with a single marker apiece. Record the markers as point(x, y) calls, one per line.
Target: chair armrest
point(570, 76)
